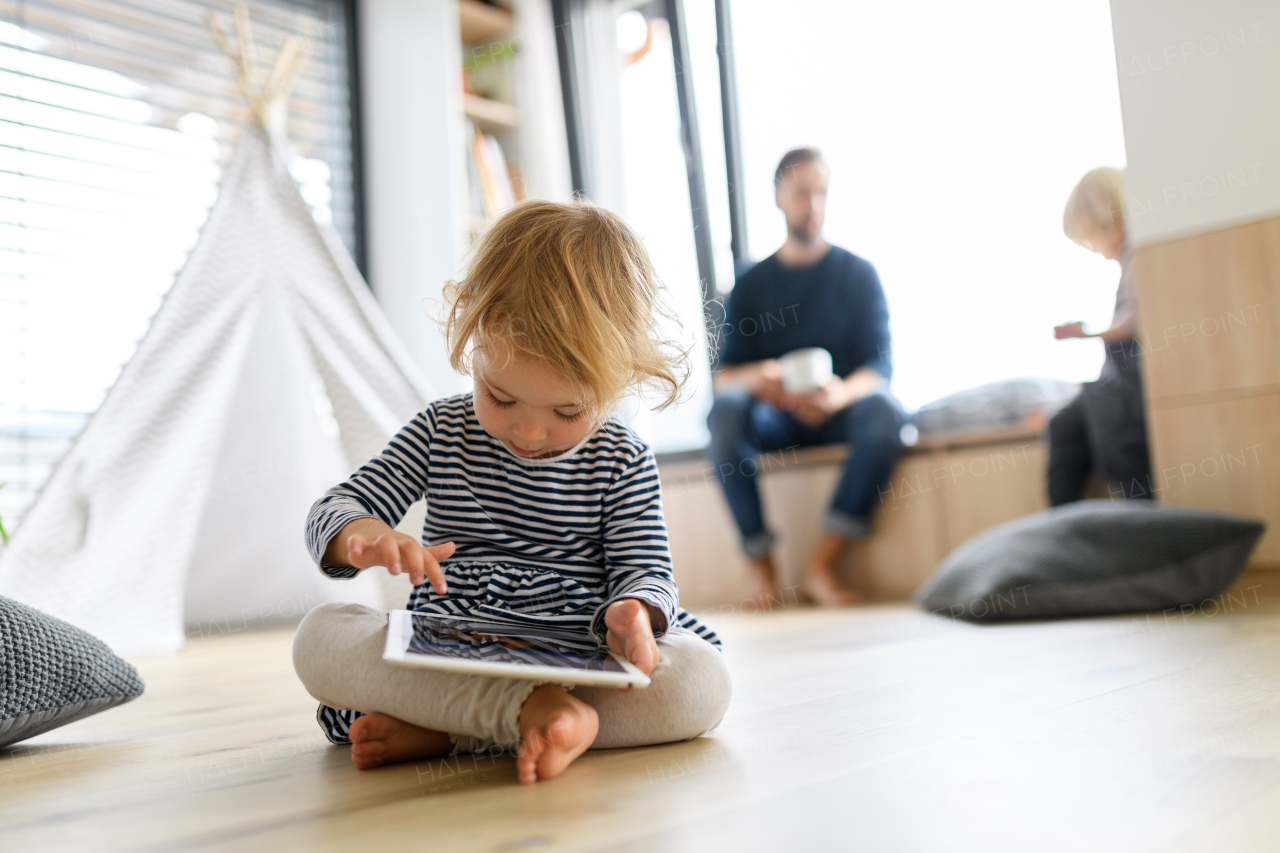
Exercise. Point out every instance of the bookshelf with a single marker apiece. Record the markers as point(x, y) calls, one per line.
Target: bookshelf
point(492, 116)
point(481, 23)
point(416, 109)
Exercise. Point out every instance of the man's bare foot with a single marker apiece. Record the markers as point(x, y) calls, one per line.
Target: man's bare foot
point(763, 575)
point(820, 583)
point(826, 591)
point(380, 739)
point(555, 728)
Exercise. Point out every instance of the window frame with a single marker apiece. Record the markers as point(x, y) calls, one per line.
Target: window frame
point(568, 17)
point(359, 206)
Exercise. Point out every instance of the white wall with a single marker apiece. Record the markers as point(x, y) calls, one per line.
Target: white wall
point(411, 83)
point(602, 107)
point(1200, 94)
point(544, 146)
point(415, 152)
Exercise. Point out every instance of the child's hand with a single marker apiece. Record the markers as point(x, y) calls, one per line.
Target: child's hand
point(367, 542)
point(631, 633)
point(1069, 330)
point(401, 553)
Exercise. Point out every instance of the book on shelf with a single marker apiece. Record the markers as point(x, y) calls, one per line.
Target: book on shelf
point(476, 193)
point(494, 184)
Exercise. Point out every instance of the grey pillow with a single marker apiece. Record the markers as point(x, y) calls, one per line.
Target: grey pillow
point(1090, 558)
point(53, 673)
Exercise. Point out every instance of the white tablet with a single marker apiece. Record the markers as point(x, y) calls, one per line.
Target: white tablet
point(476, 647)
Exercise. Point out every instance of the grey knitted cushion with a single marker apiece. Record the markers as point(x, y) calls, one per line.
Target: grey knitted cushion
point(52, 673)
point(1092, 557)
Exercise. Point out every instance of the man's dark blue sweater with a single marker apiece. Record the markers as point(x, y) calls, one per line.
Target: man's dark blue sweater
point(836, 304)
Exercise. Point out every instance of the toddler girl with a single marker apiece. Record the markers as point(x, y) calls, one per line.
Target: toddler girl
point(542, 510)
point(1104, 429)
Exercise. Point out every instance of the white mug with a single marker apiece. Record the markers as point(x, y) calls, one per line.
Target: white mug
point(805, 370)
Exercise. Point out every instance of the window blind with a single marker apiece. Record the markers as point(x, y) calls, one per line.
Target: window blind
point(116, 121)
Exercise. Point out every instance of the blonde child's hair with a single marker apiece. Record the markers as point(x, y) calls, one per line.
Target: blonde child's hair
point(571, 285)
point(1096, 205)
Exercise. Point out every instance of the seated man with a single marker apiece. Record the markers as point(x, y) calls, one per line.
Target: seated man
point(807, 294)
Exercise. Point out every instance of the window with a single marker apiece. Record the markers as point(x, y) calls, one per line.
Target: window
point(645, 125)
point(954, 132)
point(116, 119)
point(658, 205)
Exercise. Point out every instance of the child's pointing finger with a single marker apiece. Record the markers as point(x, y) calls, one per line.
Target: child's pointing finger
point(433, 570)
point(411, 559)
point(387, 553)
point(442, 551)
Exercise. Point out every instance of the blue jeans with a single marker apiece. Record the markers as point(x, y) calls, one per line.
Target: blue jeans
point(743, 427)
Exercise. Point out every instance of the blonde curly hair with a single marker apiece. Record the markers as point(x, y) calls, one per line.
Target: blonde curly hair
point(571, 285)
point(1096, 206)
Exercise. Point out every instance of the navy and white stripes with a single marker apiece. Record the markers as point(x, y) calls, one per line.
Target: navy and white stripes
point(336, 724)
point(547, 542)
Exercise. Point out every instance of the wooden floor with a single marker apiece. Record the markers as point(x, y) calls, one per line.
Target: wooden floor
point(874, 729)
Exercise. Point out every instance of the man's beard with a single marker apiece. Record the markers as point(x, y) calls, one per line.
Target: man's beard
point(804, 238)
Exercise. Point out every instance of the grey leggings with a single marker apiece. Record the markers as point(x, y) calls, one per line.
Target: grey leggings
point(337, 653)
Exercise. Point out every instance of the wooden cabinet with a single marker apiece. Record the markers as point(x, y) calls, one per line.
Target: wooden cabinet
point(1210, 311)
point(945, 490)
point(998, 482)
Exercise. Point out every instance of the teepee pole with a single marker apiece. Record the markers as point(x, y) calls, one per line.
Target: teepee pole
point(220, 39)
point(267, 101)
point(293, 54)
point(248, 50)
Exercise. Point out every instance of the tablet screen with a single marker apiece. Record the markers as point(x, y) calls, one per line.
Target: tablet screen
point(468, 638)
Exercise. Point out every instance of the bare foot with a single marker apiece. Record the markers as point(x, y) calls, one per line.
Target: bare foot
point(555, 728)
point(820, 584)
point(826, 591)
point(766, 593)
point(380, 739)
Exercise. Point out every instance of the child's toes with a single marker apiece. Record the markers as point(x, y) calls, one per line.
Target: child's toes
point(567, 737)
point(531, 749)
point(373, 726)
point(381, 739)
point(368, 754)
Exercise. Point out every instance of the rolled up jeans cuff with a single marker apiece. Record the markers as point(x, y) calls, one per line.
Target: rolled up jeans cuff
point(759, 544)
point(848, 526)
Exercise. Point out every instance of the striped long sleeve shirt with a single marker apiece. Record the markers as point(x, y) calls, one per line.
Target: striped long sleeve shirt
point(540, 542)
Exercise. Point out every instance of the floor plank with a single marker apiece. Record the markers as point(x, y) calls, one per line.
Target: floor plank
point(882, 728)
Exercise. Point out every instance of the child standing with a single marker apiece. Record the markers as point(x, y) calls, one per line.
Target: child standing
point(1104, 428)
point(542, 510)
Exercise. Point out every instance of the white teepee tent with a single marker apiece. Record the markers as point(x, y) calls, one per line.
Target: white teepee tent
point(267, 375)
